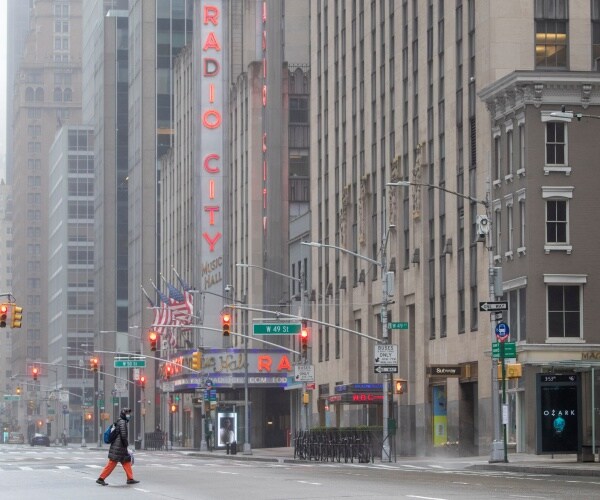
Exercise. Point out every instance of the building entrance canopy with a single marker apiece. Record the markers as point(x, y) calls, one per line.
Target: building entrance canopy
point(225, 368)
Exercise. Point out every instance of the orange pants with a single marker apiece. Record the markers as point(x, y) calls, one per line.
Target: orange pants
point(110, 466)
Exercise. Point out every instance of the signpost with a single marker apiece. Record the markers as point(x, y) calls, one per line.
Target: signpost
point(398, 325)
point(510, 349)
point(130, 363)
point(276, 328)
point(493, 306)
point(304, 373)
point(386, 358)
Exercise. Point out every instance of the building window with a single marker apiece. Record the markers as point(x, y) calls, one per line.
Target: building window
point(556, 143)
point(522, 223)
point(551, 21)
point(564, 304)
point(595, 35)
point(515, 293)
point(564, 310)
point(556, 221)
point(557, 217)
point(521, 169)
point(497, 158)
point(509, 154)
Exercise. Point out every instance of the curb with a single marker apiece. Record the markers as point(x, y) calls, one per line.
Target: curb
point(539, 469)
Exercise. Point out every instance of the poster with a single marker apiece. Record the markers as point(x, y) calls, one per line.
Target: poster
point(227, 424)
point(440, 416)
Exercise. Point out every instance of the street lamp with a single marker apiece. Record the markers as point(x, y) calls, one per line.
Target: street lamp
point(499, 451)
point(384, 323)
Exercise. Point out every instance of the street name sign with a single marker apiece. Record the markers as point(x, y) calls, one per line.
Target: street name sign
point(130, 363)
point(276, 328)
point(493, 306)
point(304, 373)
point(386, 354)
point(510, 349)
point(398, 325)
point(12, 397)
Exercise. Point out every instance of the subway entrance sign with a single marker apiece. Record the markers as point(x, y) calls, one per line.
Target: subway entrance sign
point(276, 328)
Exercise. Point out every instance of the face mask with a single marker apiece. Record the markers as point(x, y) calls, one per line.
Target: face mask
point(128, 417)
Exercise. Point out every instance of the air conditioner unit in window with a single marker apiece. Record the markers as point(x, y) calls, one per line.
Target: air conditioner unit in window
point(447, 247)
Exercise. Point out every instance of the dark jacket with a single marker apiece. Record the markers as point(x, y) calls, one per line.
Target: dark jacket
point(118, 448)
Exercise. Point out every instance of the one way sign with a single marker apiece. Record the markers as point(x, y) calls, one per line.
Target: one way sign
point(493, 306)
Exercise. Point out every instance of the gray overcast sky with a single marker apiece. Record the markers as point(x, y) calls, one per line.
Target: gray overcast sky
point(2, 89)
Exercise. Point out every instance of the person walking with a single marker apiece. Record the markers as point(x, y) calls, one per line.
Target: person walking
point(118, 452)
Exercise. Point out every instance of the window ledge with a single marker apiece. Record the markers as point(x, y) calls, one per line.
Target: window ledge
point(522, 250)
point(508, 178)
point(564, 340)
point(497, 183)
point(508, 255)
point(521, 172)
point(557, 169)
point(558, 248)
point(497, 259)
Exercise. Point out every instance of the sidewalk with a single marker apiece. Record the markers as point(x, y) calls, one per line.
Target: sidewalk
point(517, 462)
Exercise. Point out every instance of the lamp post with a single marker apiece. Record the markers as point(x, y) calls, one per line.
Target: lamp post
point(247, 449)
point(498, 451)
point(384, 323)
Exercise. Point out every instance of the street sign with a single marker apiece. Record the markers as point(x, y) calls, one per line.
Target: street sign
point(386, 369)
point(493, 306)
point(510, 349)
point(130, 363)
point(12, 397)
point(276, 328)
point(304, 373)
point(311, 386)
point(386, 355)
point(168, 386)
point(398, 325)
point(502, 332)
point(496, 316)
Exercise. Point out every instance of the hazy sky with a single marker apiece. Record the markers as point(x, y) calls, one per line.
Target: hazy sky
point(2, 88)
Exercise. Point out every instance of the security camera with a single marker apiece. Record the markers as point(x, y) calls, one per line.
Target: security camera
point(228, 288)
point(483, 226)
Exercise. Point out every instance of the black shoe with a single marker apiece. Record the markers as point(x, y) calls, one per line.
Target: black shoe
point(132, 481)
point(102, 482)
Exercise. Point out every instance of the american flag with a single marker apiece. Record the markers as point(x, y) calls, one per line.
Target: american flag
point(179, 305)
point(189, 297)
point(165, 317)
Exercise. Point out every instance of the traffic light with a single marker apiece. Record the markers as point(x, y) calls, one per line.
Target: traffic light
point(304, 339)
point(173, 408)
point(17, 316)
point(88, 416)
point(196, 360)
point(18, 390)
point(399, 386)
point(3, 315)
point(35, 371)
point(142, 381)
point(168, 372)
point(94, 364)
point(153, 338)
point(226, 318)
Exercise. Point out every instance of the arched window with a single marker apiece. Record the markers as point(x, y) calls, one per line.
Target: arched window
point(39, 94)
point(58, 95)
point(29, 94)
point(68, 95)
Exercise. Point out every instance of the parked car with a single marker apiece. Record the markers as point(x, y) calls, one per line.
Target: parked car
point(40, 440)
point(16, 438)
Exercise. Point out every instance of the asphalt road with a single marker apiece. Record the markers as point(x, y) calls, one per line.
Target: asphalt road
point(70, 473)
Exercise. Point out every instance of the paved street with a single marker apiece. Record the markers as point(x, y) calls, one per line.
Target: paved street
point(66, 473)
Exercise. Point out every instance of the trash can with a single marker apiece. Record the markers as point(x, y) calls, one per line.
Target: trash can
point(138, 444)
point(234, 448)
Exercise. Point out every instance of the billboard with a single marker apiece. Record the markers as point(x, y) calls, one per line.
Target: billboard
point(558, 408)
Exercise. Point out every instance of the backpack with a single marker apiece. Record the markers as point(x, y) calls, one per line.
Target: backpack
point(111, 433)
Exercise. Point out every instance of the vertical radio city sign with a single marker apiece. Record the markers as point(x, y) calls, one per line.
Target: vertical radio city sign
point(210, 137)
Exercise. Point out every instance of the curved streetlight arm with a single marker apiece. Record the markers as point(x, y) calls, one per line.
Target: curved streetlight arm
point(241, 264)
point(441, 188)
point(345, 250)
